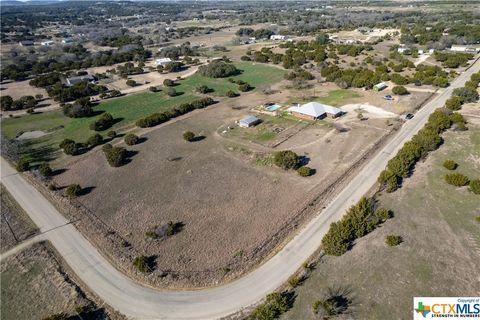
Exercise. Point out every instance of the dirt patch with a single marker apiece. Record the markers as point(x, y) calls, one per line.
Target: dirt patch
point(31, 135)
point(15, 225)
point(36, 286)
point(232, 211)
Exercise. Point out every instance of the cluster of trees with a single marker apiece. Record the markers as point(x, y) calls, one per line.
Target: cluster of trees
point(120, 40)
point(242, 85)
point(79, 90)
point(459, 179)
point(103, 123)
point(346, 78)
point(452, 60)
point(286, 159)
point(428, 138)
point(258, 34)
point(46, 80)
point(26, 102)
point(264, 55)
point(131, 139)
point(116, 156)
point(430, 75)
point(218, 69)
point(400, 90)
point(175, 66)
point(157, 118)
point(110, 94)
point(129, 69)
point(349, 49)
point(359, 220)
point(80, 108)
point(71, 147)
point(104, 58)
point(175, 52)
point(299, 74)
point(466, 94)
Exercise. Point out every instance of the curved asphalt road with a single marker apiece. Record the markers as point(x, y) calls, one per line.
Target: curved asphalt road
point(139, 302)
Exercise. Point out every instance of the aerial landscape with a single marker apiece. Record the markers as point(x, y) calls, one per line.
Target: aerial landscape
point(239, 159)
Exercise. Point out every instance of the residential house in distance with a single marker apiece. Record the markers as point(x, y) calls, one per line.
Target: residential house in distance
point(163, 61)
point(26, 43)
point(468, 49)
point(47, 43)
point(379, 86)
point(67, 40)
point(78, 79)
point(403, 50)
point(278, 37)
point(249, 121)
point(314, 111)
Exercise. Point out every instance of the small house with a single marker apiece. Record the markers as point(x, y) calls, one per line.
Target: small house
point(470, 49)
point(379, 86)
point(78, 79)
point(67, 40)
point(163, 61)
point(403, 50)
point(278, 37)
point(249, 121)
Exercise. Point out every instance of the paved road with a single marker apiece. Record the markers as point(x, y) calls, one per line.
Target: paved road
point(137, 301)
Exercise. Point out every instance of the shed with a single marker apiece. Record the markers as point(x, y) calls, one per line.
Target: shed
point(379, 86)
point(249, 121)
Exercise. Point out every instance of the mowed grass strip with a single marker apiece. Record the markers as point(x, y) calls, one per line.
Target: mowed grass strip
point(255, 74)
point(335, 98)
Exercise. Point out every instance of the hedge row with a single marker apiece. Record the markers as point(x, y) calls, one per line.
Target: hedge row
point(161, 117)
point(359, 220)
point(426, 140)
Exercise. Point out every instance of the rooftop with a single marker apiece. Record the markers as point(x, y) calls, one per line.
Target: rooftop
point(315, 109)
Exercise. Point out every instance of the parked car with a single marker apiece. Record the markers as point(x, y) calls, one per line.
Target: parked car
point(408, 116)
point(388, 97)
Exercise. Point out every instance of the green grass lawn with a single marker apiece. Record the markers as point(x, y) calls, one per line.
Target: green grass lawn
point(254, 74)
point(335, 98)
point(126, 110)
